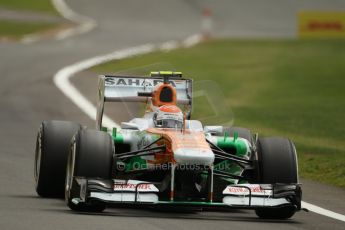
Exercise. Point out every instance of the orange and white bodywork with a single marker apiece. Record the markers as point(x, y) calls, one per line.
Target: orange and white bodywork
point(186, 147)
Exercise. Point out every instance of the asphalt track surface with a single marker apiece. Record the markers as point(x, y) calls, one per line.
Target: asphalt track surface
point(28, 96)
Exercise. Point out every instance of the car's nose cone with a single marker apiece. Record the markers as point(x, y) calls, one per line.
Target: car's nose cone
point(201, 156)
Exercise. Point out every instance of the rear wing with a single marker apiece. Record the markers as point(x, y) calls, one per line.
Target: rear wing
point(127, 88)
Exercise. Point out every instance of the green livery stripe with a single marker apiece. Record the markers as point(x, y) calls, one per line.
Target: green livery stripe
point(229, 167)
point(118, 138)
point(238, 144)
point(136, 163)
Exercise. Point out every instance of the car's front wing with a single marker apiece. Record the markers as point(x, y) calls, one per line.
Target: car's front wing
point(247, 196)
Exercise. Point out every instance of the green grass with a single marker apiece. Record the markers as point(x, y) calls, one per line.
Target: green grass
point(34, 5)
point(18, 29)
point(288, 88)
point(14, 29)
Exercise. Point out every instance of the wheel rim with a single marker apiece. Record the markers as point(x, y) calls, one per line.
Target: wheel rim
point(70, 170)
point(38, 156)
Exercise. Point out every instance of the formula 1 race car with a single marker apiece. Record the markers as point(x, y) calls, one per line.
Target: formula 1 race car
point(164, 159)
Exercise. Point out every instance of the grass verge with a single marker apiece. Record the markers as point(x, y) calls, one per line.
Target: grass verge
point(34, 5)
point(16, 30)
point(282, 88)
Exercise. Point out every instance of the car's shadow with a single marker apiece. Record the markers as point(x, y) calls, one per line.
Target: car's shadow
point(208, 215)
point(127, 211)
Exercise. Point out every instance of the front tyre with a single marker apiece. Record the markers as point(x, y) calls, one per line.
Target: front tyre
point(277, 164)
point(91, 156)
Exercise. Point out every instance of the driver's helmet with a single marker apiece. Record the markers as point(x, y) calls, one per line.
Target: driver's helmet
point(168, 116)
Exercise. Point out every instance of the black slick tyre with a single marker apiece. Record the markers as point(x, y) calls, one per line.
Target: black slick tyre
point(277, 164)
point(91, 156)
point(52, 148)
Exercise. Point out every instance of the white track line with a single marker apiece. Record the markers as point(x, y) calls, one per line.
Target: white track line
point(323, 211)
point(85, 24)
point(62, 77)
point(31, 38)
point(192, 40)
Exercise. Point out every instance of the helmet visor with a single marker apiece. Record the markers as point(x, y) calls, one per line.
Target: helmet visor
point(170, 123)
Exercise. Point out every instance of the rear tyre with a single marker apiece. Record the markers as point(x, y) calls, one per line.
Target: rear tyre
point(91, 156)
point(277, 164)
point(52, 148)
